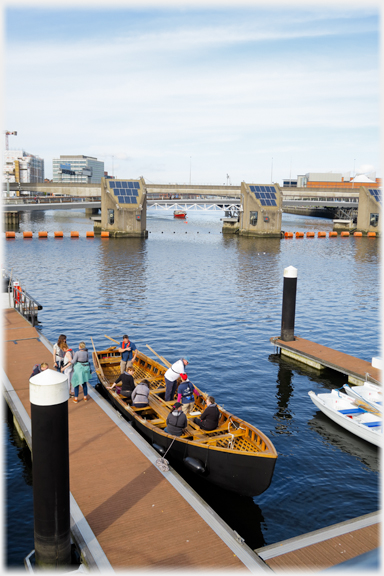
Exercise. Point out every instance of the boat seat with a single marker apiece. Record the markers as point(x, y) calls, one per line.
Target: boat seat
point(352, 411)
point(372, 424)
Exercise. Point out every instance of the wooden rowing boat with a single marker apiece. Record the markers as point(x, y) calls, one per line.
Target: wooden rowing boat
point(236, 456)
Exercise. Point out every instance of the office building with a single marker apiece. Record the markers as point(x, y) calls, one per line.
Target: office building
point(84, 169)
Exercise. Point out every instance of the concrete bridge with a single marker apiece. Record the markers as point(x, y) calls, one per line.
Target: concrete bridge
point(291, 196)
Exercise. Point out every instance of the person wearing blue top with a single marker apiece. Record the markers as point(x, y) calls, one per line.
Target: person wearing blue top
point(128, 353)
point(185, 395)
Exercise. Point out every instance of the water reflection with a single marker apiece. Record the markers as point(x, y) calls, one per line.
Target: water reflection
point(331, 433)
point(284, 392)
point(122, 271)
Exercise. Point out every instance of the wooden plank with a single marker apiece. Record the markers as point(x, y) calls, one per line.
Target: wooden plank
point(329, 552)
point(329, 357)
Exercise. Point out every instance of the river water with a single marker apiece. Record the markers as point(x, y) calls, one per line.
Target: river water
point(189, 289)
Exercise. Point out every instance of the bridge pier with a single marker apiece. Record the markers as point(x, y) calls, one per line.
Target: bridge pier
point(123, 208)
point(91, 211)
point(261, 210)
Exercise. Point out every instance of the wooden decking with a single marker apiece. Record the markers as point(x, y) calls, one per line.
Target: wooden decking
point(326, 548)
point(349, 365)
point(138, 517)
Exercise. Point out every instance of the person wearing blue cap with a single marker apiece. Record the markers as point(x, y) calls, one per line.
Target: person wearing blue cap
point(171, 376)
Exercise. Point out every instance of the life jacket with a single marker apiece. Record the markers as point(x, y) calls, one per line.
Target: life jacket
point(35, 370)
point(69, 350)
point(187, 394)
point(126, 344)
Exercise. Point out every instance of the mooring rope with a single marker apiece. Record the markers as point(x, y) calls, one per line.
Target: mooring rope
point(162, 463)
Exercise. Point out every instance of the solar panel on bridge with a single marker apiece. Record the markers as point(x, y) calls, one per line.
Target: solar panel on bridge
point(376, 193)
point(127, 199)
point(265, 194)
point(125, 192)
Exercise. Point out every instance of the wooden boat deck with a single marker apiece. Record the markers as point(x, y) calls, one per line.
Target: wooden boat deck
point(138, 517)
point(339, 361)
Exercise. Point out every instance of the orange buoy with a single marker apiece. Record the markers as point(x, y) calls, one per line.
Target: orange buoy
point(27, 234)
point(105, 234)
point(344, 234)
point(58, 234)
point(299, 234)
point(358, 234)
point(321, 234)
point(89, 234)
point(288, 234)
point(43, 234)
point(371, 234)
point(310, 234)
point(74, 234)
point(10, 235)
point(332, 234)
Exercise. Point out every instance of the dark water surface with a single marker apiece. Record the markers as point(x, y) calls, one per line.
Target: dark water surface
point(188, 289)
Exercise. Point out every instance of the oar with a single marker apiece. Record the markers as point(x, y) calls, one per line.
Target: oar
point(98, 361)
point(111, 339)
point(164, 361)
point(94, 349)
point(367, 407)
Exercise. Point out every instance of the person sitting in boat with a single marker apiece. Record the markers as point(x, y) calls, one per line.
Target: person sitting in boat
point(127, 384)
point(176, 420)
point(171, 376)
point(209, 419)
point(128, 353)
point(185, 394)
point(140, 395)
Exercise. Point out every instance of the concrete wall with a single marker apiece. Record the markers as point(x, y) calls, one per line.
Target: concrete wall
point(367, 206)
point(129, 220)
point(268, 217)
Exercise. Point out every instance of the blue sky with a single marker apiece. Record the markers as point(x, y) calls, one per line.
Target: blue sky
point(257, 91)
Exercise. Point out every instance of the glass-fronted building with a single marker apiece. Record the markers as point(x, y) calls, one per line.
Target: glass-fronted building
point(85, 169)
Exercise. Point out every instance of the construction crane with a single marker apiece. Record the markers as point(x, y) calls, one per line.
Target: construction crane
point(8, 133)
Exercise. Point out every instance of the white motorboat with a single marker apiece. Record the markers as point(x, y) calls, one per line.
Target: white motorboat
point(345, 411)
point(370, 393)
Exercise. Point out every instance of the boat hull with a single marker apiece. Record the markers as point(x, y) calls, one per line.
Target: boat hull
point(241, 473)
point(326, 403)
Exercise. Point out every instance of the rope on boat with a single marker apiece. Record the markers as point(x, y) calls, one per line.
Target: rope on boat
point(162, 463)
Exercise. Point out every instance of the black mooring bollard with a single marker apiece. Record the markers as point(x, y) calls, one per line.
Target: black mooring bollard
point(48, 394)
point(289, 304)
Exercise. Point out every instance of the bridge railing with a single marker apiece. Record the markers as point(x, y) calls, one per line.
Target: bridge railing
point(17, 200)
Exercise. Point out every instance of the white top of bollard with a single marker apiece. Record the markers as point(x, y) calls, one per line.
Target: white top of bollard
point(48, 388)
point(290, 272)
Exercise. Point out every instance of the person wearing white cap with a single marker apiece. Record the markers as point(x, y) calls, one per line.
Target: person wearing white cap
point(171, 376)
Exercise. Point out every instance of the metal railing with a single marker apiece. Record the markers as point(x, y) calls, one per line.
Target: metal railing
point(21, 300)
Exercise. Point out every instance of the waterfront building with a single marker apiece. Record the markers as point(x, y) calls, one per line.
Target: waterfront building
point(79, 168)
point(330, 180)
point(23, 167)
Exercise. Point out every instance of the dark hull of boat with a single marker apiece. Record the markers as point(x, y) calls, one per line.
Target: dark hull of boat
point(245, 474)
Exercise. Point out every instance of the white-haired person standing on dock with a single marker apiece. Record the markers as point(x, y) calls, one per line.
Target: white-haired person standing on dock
point(171, 376)
point(81, 371)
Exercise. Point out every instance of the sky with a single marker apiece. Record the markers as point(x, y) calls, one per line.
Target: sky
point(211, 93)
